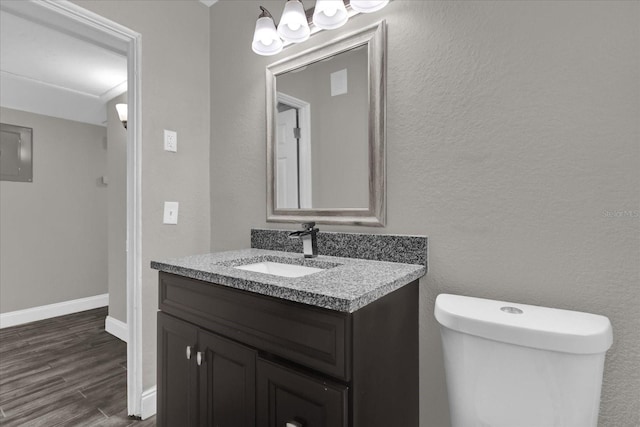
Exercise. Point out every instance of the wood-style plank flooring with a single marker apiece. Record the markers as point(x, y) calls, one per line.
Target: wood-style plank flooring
point(65, 371)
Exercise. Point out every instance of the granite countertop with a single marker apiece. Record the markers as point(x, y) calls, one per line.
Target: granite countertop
point(346, 285)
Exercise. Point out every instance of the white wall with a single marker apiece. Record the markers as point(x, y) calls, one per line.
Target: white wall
point(512, 133)
point(54, 230)
point(175, 95)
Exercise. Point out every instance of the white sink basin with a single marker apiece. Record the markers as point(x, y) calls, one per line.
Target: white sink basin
point(279, 269)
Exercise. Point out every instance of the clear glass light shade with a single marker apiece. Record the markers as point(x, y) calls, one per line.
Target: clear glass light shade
point(265, 38)
point(330, 14)
point(293, 25)
point(122, 113)
point(368, 6)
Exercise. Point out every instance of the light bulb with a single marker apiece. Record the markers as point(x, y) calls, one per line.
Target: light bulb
point(330, 14)
point(293, 26)
point(368, 6)
point(265, 38)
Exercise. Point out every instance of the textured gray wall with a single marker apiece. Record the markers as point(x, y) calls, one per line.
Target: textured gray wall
point(175, 96)
point(512, 143)
point(54, 230)
point(117, 210)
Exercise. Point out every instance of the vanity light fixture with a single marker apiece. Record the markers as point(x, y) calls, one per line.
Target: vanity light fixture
point(368, 6)
point(294, 23)
point(122, 113)
point(265, 38)
point(330, 14)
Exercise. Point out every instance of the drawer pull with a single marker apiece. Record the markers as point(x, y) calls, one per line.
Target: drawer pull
point(293, 424)
point(199, 358)
point(188, 352)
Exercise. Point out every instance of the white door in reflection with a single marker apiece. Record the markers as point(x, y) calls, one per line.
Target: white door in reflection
point(287, 160)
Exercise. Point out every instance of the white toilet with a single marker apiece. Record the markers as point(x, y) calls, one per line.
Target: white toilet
point(517, 365)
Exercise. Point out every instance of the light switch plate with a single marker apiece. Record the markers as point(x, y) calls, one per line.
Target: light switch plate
point(171, 140)
point(170, 213)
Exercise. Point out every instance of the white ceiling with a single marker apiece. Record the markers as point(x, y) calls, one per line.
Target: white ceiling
point(48, 71)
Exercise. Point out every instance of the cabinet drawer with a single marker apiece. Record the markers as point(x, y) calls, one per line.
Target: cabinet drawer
point(290, 398)
point(311, 336)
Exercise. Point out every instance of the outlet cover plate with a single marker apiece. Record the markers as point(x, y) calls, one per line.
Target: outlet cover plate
point(171, 141)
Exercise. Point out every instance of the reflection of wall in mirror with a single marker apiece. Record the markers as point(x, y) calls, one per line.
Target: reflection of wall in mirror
point(339, 128)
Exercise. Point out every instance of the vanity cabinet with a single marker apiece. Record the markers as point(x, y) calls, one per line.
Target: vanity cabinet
point(229, 357)
point(203, 379)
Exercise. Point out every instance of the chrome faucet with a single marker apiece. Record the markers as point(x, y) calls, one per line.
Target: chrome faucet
point(309, 237)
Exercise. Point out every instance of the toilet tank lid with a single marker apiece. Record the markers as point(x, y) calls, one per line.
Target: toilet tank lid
point(526, 325)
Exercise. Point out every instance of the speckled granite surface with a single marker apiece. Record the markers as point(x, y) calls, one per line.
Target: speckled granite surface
point(348, 286)
point(379, 247)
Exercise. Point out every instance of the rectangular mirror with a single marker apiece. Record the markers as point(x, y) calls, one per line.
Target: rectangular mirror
point(326, 132)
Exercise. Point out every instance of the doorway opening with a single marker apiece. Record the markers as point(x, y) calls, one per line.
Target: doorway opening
point(93, 28)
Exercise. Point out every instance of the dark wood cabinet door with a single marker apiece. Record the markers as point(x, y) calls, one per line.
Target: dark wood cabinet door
point(227, 382)
point(288, 398)
point(177, 374)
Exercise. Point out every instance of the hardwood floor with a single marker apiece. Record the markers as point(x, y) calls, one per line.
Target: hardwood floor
point(65, 371)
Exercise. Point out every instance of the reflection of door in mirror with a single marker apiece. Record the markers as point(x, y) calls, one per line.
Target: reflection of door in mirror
point(337, 90)
point(287, 158)
point(293, 153)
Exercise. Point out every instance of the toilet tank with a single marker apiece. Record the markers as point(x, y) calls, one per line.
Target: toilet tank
point(518, 365)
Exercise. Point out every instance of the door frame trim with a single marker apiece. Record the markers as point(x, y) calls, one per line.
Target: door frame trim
point(104, 32)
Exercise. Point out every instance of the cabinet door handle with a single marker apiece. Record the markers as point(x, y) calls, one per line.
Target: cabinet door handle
point(188, 352)
point(293, 424)
point(199, 358)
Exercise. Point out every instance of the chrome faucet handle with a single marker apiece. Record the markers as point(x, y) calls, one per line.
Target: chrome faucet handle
point(308, 225)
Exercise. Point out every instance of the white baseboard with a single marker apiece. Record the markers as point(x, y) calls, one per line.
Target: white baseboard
point(42, 312)
point(116, 327)
point(148, 403)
